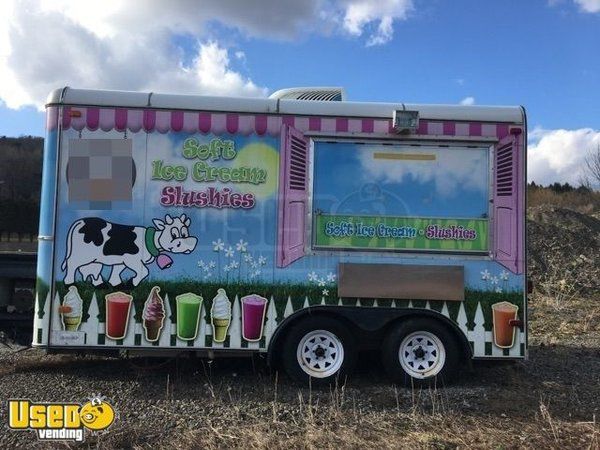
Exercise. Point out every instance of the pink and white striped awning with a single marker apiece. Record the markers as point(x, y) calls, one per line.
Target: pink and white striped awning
point(148, 120)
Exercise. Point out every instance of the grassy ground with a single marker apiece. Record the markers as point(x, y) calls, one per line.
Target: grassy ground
point(550, 401)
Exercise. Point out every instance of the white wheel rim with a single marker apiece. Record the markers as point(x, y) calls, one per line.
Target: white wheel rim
point(422, 354)
point(320, 353)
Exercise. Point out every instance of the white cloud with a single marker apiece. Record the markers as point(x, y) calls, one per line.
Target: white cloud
point(44, 48)
point(130, 45)
point(589, 6)
point(461, 167)
point(360, 15)
point(468, 101)
point(558, 155)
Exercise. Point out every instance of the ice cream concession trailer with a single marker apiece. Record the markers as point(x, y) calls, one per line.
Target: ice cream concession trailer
point(302, 226)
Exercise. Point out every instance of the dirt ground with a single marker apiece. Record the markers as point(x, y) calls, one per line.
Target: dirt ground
point(550, 401)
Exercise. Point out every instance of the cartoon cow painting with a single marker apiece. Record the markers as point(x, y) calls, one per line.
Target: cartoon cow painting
point(93, 243)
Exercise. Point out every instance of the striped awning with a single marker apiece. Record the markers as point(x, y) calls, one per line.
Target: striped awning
point(150, 120)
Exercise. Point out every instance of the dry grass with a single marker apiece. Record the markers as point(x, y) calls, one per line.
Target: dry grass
point(340, 422)
point(582, 202)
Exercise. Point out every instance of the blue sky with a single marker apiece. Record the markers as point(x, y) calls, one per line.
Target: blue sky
point(541, 54)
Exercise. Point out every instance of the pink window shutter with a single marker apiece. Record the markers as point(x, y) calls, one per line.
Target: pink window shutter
point(293, 196)
point(508, 213)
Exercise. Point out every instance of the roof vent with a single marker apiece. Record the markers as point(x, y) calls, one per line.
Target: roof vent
point(324, 94)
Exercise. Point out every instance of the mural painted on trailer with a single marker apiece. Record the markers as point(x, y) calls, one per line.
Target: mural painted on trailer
point(229, 185)
point(229, 240)
point(219, 191)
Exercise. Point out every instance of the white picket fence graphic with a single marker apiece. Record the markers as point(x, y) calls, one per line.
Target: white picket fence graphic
point(94, 329)
point(41, 326)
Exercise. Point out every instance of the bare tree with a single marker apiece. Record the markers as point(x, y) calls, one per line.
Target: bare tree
point(592, 165)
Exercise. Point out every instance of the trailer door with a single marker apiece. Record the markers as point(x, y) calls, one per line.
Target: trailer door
point(508, 223)
point(293, 196)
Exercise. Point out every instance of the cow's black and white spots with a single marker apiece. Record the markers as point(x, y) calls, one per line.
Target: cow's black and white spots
point(93, 243)
point(121, 241)
point(92, 230)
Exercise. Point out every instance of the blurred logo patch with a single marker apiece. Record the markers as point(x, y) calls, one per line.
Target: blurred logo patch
point(61, 421)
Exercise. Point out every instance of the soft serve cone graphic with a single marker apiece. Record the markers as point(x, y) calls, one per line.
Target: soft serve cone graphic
point(153, 315)
point(221, 315)
point(71, 310)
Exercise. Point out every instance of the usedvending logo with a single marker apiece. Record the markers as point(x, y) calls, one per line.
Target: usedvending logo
point(61, 421)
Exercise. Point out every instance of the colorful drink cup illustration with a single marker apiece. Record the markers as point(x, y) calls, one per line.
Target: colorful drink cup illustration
point(118, 306)
point(71, 310)
point(503, 315)
point(221, 316)
point(153, 315)
point(253, 316)
point(188, 315)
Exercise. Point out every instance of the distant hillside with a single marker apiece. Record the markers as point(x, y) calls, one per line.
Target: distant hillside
point(20, 181)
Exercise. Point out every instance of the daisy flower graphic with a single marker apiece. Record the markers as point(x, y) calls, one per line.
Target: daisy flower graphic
point(218, 245)
point(241, 246)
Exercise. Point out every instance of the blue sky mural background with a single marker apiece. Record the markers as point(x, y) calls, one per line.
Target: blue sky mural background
point(256, 227)
point(454, 185)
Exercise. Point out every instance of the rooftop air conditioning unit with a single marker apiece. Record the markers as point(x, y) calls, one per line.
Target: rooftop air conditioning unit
point(324, 94)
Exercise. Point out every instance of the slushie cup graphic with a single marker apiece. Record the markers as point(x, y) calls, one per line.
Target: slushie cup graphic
point(153, 315)
point(253, 315)
point(221, 315)
point(188, 315)
point(118, 305)
point(71, 310)
point(503, 314)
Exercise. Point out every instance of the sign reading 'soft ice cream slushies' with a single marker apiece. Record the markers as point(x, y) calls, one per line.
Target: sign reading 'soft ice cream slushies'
point(208, 168)
point(394, 233)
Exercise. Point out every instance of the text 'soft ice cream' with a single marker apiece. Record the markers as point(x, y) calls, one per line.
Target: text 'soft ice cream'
point(221, 307)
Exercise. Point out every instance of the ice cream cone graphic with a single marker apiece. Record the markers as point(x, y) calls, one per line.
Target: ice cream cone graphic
point(220, 329)
point(71, 323)
point(221, 316)
point(71, 310)
point(152, 328)
point(153, 315)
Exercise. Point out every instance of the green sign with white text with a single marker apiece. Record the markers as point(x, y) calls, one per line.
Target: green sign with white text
point(401, 233)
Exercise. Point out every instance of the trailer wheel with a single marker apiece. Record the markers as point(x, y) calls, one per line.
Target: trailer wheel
point(318, 349)
point(421, 352)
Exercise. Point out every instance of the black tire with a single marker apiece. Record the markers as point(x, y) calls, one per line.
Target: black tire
point(430, 327)
point(298, 332)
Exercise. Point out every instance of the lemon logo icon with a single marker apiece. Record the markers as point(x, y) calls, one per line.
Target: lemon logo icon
point(97, 415)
